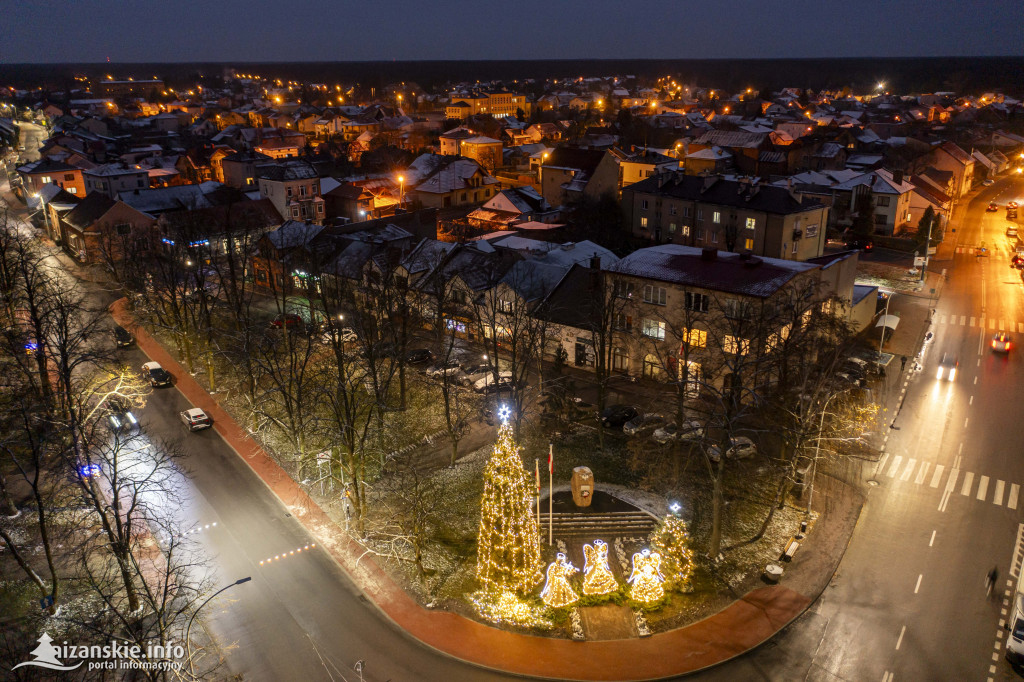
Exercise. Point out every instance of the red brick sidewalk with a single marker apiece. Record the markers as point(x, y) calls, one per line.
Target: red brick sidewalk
point(741, 626)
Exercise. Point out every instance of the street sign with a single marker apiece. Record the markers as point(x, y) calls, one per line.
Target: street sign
point(931, 250)
point(918, 261)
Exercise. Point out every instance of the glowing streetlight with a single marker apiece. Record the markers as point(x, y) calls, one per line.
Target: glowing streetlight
point(401, 191)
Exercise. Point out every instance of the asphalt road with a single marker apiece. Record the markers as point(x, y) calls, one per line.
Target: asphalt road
point(908, 601)
point(300, 618)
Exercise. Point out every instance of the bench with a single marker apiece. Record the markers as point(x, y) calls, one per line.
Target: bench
point(791, 547)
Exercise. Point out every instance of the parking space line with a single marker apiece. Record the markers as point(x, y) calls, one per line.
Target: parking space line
point(937, 476)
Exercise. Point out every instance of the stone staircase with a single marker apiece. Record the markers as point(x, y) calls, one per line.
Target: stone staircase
point(634, 523)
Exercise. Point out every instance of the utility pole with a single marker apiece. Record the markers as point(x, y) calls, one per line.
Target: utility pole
point(927, 248)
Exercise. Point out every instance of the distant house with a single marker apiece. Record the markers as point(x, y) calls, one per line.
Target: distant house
point(435, 181)
point(484, 150)
point(948, 156)
point(890, 194)
point(570, 173)
point(104, 230)
point(511, 206)
point(294, 188)
point(451, 141)
point(36, 175)
point(113, 178)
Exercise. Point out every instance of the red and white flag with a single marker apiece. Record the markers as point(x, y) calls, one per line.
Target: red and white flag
point(551, 458)
point(536, 464)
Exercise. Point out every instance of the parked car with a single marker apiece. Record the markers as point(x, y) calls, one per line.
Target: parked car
point(1017, 261)
point(195, 419)
point(488, 384)
point(449, 368)
point(988, 183)
point(470, 374)
point(740, 447)
point(642, 423)
point(615, 416)
point(122, 337)
point(947, 367)
point(1002, 342)
point(157, 375)
point(344, 335)
point(121, 418)
point(691, 430)
point(418, 356)
point(1011, 232)
point(288, 320)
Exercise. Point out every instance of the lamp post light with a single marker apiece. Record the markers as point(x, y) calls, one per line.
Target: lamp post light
point(401, 191)
point(927, 248)
point(885, 315)
point(188, 629)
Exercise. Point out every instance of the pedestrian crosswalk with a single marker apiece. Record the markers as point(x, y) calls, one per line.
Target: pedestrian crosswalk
point(990, 323)
point(969, 484)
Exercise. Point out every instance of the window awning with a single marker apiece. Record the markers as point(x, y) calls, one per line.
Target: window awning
point(890, 321)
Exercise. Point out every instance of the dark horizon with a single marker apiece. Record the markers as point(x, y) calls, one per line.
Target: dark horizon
point(901, 75)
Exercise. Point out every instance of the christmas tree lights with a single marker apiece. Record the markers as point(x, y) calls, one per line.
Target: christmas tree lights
point(557, 591)
point(597, 575)
point(646, 577)
point(672, 541)
point(508, 543)
point(506, 608)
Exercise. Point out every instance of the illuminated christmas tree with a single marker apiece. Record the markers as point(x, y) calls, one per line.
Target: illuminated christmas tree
point(508, 544)
point(672, 541)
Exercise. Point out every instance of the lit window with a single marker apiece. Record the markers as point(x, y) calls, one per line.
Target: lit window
point(716, 217)
point(643, 221)
point(654, 329)
point(751, 223)
point(748, 244)
point(735, 346)
point(698, 338)
point(686, 230)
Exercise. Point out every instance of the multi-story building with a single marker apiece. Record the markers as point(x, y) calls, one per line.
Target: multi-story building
point(112, 88)
point(114, 178)
point(499, 103)
point(712, 212)
point(38, 174)
point(294, 189)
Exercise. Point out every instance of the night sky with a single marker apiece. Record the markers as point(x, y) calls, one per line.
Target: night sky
point(335, 30)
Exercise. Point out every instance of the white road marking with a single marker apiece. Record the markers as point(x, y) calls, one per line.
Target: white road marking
point(968, 480)
point(982, 487)
point(922, 473)
point(959, 452)
point(997, 495)
point(956, 462)
point(909, 469)
point(966, 419)
point(971, 401)
point(950, 486)
point(881, 464)
point(991, 323)
point(918, 586)
point(900, 640)
point(937, 476)
point(975, 381)
point(895, 466)
point(1020, 327)
point(963, 319)
point(887, 677)
point(1011, 501)
point(1018, 553)
point(932, 541)
point(942, 319)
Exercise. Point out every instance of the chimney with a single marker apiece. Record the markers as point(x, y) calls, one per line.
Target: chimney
point(897, 177)
point(595, 262)
point(709, 253)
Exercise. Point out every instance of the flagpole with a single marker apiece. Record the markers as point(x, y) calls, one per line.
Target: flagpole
point(536, 466)
point(551, 494)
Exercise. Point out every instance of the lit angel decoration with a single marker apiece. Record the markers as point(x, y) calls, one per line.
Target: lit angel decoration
point(597, 575)
point(557, 591)
point(646, 578)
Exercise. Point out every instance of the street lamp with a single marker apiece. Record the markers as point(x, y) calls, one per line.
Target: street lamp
point(885, 315)
point(188, 629)
point(401, 191)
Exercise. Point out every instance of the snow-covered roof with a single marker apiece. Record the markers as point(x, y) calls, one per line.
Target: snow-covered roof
point(293, 233)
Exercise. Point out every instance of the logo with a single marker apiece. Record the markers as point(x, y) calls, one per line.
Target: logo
point(46, 656)
point(111, 656)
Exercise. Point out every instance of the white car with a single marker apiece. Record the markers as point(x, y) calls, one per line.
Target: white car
point(195, 419)
point(487, 384)
point(740, 447)
point(157, 375)
point(345, 335)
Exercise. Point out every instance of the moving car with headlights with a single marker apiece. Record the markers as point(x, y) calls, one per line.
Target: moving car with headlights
point(157, 375)
point(1002, 342)
point(195, 419)
point(992, 207)
point(121, 417)
point(947, 367)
